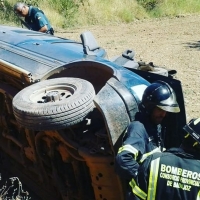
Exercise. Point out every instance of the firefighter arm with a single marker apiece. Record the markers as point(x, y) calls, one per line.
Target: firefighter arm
point(126, 166)
point(130, 152)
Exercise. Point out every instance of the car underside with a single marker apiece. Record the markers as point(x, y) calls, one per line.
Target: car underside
point(64, 111)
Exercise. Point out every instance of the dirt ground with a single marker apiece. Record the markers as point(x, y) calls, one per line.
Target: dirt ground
point(172, 43)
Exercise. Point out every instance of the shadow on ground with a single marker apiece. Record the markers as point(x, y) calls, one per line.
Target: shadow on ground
point(193, 45)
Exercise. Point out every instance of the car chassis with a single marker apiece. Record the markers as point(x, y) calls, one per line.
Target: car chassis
point(64, 110)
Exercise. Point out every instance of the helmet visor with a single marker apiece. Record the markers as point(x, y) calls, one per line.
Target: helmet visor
point(174, 108)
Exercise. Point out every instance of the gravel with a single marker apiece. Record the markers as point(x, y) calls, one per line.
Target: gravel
point(172, 43)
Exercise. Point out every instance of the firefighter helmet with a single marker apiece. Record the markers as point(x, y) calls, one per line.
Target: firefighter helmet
point(160, 94)
point(193, 129)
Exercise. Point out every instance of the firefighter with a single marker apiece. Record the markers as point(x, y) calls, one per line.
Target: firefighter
point(35, 19)
point(145, 134)
point(175, 173)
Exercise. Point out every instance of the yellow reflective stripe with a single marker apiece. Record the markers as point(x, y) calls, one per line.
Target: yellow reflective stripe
point(129, 148)
point(198, 196)
point(144, 156)
point(136, 190)
point(153, 178)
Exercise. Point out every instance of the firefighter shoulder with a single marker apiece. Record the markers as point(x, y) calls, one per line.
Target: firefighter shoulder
point(174, 174)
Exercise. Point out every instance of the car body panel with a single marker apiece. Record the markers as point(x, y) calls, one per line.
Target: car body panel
point(75, 162)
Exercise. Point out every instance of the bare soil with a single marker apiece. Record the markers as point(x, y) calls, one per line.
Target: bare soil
point(172, 43)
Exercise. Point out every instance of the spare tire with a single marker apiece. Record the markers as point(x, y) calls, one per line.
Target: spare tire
point(54, 104)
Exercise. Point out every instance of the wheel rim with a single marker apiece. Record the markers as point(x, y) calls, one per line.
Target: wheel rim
point(52, 94)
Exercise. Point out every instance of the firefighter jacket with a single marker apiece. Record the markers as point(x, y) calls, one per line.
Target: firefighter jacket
point(173, 175)
point(142, 139)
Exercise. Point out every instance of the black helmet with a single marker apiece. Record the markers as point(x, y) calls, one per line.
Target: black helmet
point(160, 94)
point(193, 129)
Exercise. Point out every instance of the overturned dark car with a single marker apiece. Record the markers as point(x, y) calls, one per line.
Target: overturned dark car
point(64, 110)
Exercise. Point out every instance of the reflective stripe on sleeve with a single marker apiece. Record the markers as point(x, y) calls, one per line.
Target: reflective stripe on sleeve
point(129, 148)
point(136, 190)
point(198, 196)
point(153, 178)
point(144, 156)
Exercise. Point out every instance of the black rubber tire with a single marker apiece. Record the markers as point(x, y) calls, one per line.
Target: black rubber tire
point(32, 114)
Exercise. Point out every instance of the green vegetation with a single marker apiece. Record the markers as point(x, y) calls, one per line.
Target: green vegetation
point(69, 13)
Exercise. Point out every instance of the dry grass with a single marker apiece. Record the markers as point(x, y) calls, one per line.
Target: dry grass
point(104, 12)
